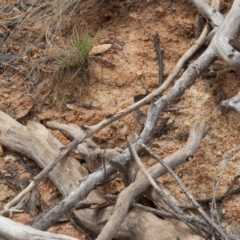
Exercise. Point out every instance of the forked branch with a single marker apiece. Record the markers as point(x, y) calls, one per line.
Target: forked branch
point(133, 190)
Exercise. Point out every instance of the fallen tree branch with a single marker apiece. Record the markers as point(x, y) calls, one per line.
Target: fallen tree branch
point(176, 210)
point(14, 230)
point(183, 83)
point(209, 11)
point(90, 182)
point(194, 48)
point(226, 34)
point(40, 145)
point(128, 194)
point(189, 195)
point(229, 192)
point(90, 130)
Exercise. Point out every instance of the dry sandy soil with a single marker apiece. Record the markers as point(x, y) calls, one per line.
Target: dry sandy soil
point(42, 96)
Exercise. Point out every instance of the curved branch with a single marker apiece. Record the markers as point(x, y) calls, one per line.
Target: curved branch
point(209, 12)
point(226, 40)
point(91, 181)
point(14, 230)
point(137, 187)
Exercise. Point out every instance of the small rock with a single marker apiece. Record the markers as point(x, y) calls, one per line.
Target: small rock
point(160, 11)
point(223, 211)
point(133, 15)
point(117, 46)
point(219, 153)
point(9, 158)
point(100, 49)
point(104, 41)
point(139, 73)
point(71, 106)
point(1, 151)
point(145, 38)
point(25, 57)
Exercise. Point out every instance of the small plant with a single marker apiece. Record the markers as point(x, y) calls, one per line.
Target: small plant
point(75, 55)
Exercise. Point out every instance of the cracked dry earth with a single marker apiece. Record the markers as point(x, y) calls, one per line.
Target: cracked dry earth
point(112, 87)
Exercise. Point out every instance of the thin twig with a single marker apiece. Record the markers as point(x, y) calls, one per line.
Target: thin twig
point(189, 195)
point(177, 211)
point(213, 203)
point(221, 197)
point(44, 173)
point(165, 214)
point(160, 58)
point(134, 189)
point(233, 152)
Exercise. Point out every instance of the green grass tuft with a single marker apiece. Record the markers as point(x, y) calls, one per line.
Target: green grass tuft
point(75, 55)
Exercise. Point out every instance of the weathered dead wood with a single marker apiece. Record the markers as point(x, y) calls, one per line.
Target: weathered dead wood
point(226, 41)
point(198, 224)
point(88, 132)
point(209, 12)
point(133, 190)
point(88, 149)
point(215, 226)
point(90, 182)
point(100, 125)
point(72, 131)
point(227, 33)
point(231, 103)
point(35, 141)
point(98, 176)
point(197, 45)
point(17, 231)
